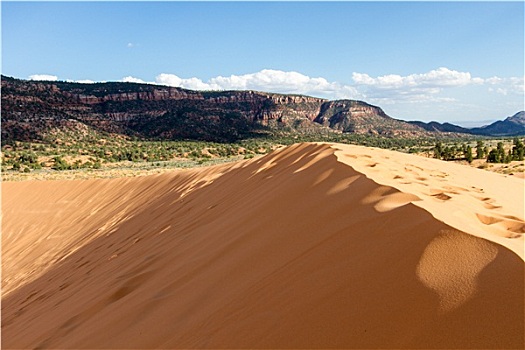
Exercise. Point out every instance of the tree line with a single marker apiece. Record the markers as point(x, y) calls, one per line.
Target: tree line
point(482, 151)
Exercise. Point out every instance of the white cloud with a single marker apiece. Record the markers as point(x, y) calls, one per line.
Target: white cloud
point(517, 85)
point(392, 89)
point(413, 88)
point(85, 81)
point(130, 79)
point(266, 80)
point(438, 78)
point(507, 86)
point(429, 87)
point(494, 80)
point(47, 77)
point(189, 83)
point(44, 77)
point(409, 98)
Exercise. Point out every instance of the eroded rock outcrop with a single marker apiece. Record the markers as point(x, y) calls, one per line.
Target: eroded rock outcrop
point(155, 111)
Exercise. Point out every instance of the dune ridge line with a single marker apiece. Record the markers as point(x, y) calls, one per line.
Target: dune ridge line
point(486, 205)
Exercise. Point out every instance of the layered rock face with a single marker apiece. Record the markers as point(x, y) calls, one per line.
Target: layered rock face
point(30, 108)
point(362, 118)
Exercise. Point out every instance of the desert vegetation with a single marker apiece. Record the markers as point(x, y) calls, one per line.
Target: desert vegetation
point(85, 150)
point(72, 150)
point(505, 151)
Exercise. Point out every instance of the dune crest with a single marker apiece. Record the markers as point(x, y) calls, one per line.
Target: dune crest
point(481, 203)
point(311, 246)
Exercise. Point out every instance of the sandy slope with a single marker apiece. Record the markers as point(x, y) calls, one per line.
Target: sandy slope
point(308, 247)
point(487, 205)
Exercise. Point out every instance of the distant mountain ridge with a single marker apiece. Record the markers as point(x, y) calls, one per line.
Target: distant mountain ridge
point(30, 109)
point(440, 127)
point(511, 126)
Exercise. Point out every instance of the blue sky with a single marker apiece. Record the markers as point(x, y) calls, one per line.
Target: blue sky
point(445, 61)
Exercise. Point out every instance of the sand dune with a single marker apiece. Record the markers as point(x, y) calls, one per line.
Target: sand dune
point(311, 246)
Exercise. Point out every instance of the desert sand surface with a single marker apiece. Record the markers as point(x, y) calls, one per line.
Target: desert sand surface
point(310, 246)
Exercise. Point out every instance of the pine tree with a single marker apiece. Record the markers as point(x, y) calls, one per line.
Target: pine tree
point(438, 150)
point(518, 151)
point(468, 154)
point(446, 153)
point(492, 156)
point(500, 152)
point(479, 150)
point(508, 157)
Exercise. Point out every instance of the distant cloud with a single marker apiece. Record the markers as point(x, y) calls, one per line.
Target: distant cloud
point(266, 80)
point(189, 83)
point(130, 79)
point(494, 80)
point(45, 77)
point(438, 78)
point(428, 87)
point(413, 88)
point(507, 86)
point(392, 89)
point(130, 45)
point(85, 81)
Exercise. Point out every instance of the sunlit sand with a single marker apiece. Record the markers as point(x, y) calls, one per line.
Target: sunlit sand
point(311, 246)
